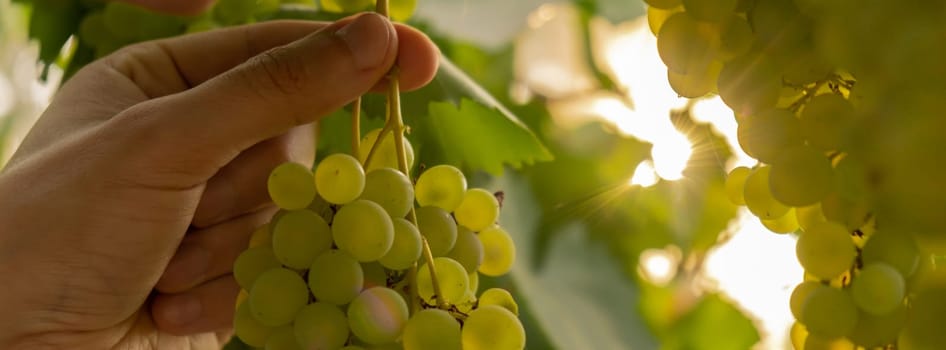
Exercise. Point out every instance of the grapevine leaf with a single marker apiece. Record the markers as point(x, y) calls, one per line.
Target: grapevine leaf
point(713, 324)
point(51, 23)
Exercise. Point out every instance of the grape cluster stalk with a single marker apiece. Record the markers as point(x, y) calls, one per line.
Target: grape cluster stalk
point(841, 103)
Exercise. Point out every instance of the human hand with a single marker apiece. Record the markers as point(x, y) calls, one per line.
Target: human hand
point(125, 207)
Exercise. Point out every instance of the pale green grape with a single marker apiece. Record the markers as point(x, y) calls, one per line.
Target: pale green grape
point(710, 10)
point(248, 329)
point(322, 207)
point(391, 189)
point(346, 6)
point(406, 248)
point(377, 315)
point(451, 277)
point(696, 83)
point(467, 303)
point(431, 329)
point(804, 67)
point(251, 263)
point(282, 338)
point(765, 135)
point(499, 252)
point(736, 185)
point(798, 335)
point(815, 342)
point(878, 289)
point(261, 236)
point(492, 327)
point(385, 156)
point(402, 10)
point(291, 186)
point(321, 326)
point(925, 326)
point(468, 250)
point(874, 331)
point(896, 249)
point(438, 227)
point(335, 277)
point(826, 250)
point(778, 25)
point(441, 186)
point(852, 214)
point(829, 312)
point(684, 44)
point(788, 223)
point(825, 119)
point(339, 178)
point(735, 38)
point(759, 198)
point(375, 276)
point(800, 295)
point(500, 297)
point(656, 17)
point(809, 216)
point(299, 236)
point(852, 180)
point(363, 230)
point(800, 176)
point(749, 84)
point(478, 210)
point(277, 295)
point(474, 281)
point(232, 12)
point(663, 4)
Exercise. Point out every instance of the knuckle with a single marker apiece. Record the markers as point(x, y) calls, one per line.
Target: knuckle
point(279, 71)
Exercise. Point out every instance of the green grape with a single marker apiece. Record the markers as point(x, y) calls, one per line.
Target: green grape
point(736, 184)
point(684, 44)
point(852, 180)
point(291, 186)
point(874, 331)
point(385, 156)
point(431, 329)
point(474, 281)
point(697, 83)
point(778, 25)
point(253, 262)
point(321, 326)
point(800, 176)
point(478, 210)
point(282, 338)
point(759, 198)
point(735, 38)
point(276, 296)
point(800, 295)
point(893, 248)
point(335, 277)
point(406, 248)
point(467, 303)
point(749, 84)
point(878, 289)
point(809, 216)
point(663, 4)
point(798, 335)
point(241, 297)
point(825, 120)
point(710, 10)
point(468, 250)
point(829, 312)
point(299, 236)
point(248, 329)
point(852, 214)
point(815, 342)
point(924, 328)
point(363, 230)
point(402, 10)
point(441, 186)
point(436, 225)
point(451, 277)
point(766, 135)
point(391, 189)
point(788, 223)
point(499, 252)
point(377, 315)
point(230, 12)
point(339, 178)
point(492, 327)
point(261, 236)
point(322, 207)
point(826, 250)
point(375, 276)
point(805, 67)
point(656, 17)
point(500, 297)
point(346, 6)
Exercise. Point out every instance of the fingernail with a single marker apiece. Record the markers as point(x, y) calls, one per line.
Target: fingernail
point(183, 309)
point(189, 264)
point(368, 38)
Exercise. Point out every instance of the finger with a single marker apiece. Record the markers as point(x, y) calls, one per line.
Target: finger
point(207, 254)
point(206, 308)
point(240, 186)
point(175, 7)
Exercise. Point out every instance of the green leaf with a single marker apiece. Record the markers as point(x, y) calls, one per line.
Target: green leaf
point(52, 22)
point(713, 324)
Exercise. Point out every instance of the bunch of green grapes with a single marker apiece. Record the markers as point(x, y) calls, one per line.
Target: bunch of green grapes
point(306, 276)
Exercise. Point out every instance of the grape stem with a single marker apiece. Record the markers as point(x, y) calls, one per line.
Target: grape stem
point(395, 123)
point(356, 128)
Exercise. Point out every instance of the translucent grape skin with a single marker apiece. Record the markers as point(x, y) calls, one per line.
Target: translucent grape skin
point(878, 289)
point(749, 83)
point(299, 236)
point(291, 186)
point(684, 45)
point(363, 230)
point(468, 250)
point(800, 176)
point(499, 252)
point(441, 186)
point(478, 210)
point(406, 247)
point(765, 135)
point(894, 248)
point(282, 338)
point(874, 331)
point(261, 236)
point(339, 178)
point(431, 329)
point(663, 4)
point(492, 327)
point(378, 315)
point(385, 156)
point(826, 250)
point(276, 296)
point(824, 121)
point(759, 198)
point(736, 184)
point(253, 262)
point(829, 312)
point(321, 326)
point(438, 227)
point(451, 277)
point(800, 295)
point(335, 277)
point(248, 329)
point(710, 10)
point(788, 223)
point(391, 189)
point(500, 297)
